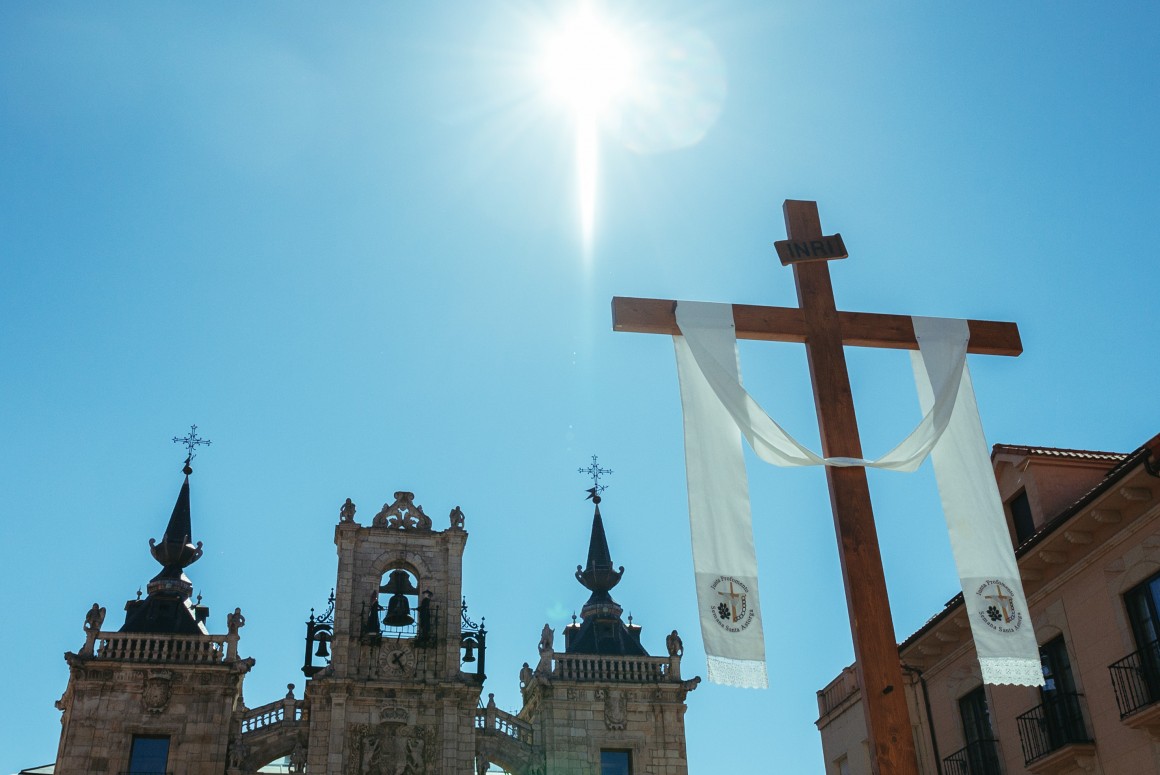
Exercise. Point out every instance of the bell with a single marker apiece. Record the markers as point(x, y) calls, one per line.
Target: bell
point(469, 650)
point(322, 650)
point(399, 583)
point(398, 612)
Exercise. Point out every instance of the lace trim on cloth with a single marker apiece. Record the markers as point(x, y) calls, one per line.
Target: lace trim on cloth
point(1011, 670)
point(742, 673)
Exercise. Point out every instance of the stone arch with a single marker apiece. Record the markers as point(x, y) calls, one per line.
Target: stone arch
point(513, 756)
point(269, 744)
point(1137, 573)
point(963, 679)
point(410, 561)
point(1141, 565)
point(1046, 632)
point(374, 575)
point(396, 559)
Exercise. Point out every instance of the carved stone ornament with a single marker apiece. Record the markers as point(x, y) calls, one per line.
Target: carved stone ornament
point(403, 514)
point(298, 756)
point(346, 512)
point(394, 715)
point(237, 754)
point(615, 710)
point(390, 748)
point(157, 691)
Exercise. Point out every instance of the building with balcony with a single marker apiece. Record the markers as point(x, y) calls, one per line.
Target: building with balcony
point(1086, 527)
point(394, 674)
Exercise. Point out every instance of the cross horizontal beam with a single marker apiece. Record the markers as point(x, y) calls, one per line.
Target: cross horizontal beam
point(787, 324)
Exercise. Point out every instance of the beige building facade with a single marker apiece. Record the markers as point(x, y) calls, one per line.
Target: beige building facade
point(395, 671)
point(1086, 527)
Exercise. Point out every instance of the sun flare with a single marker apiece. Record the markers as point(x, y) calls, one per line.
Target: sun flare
point(588, 65)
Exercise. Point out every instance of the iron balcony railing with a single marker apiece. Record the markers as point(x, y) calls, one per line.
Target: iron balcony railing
point(978, 758)
point(1136, 679)
point(1052, 725)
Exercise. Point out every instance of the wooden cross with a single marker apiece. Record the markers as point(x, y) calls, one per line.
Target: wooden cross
point(825, 330)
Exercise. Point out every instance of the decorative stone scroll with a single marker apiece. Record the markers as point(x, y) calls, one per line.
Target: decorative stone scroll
point(403, 514)
point(394, 715)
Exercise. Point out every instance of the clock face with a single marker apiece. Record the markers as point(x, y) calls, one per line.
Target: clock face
point(399, 660)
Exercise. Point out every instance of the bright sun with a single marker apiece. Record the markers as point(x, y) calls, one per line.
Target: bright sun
point(587, 63)
point(589, 66)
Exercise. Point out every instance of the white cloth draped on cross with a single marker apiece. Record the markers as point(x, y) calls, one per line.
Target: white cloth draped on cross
point(718, 411)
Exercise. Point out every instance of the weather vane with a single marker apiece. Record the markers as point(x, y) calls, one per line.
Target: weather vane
point(191, 441)
point(595, 471)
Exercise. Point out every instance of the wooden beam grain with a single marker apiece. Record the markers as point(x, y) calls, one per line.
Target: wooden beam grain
point(786, 324)
point(879, 671)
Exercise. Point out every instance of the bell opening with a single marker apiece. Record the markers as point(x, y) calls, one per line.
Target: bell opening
point(398, 599)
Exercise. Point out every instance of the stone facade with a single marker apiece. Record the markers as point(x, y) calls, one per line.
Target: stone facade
point(180, 687)
point(393, 700)
point(390, 687)
point(1087, 530)
point(161, 680)
point(604, 697)
point(588, 704)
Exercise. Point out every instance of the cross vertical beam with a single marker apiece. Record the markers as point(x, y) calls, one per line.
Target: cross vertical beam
point(875, 649)
point(825, 330)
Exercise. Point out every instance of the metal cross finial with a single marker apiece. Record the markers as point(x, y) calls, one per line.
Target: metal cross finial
point(190, 441)
point(595, 471)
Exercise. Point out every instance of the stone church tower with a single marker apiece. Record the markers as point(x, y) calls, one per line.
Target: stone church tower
point(603, 706)
point(395, 698)
point(395, 673)
point(159, 694)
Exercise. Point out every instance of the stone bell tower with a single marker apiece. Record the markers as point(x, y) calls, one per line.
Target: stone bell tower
point(395, 697)
point(161, 694)
point(604, 706)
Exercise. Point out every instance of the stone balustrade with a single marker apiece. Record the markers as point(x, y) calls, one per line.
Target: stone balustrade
point(612, 669)
point(504, 723)
point(174, 649)
point(837, 691)
point(272, 713)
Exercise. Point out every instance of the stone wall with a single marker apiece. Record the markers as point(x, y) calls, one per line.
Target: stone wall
point(109, 701)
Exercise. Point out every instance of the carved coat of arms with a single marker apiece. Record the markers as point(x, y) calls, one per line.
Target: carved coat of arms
point(615, 709)
point(390, 748)
point(157, 691)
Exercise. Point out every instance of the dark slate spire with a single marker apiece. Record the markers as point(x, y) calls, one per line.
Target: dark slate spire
point(175, 548)
point(598, 575)
point(168, 608)
point(602, 630)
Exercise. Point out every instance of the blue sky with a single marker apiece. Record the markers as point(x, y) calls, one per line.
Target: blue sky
point(345, 242)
